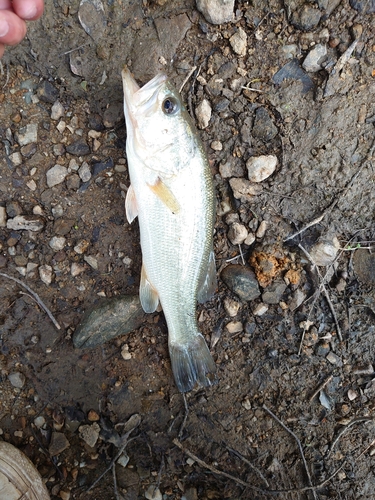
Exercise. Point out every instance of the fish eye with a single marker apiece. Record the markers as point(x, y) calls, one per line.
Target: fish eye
point(170, 106)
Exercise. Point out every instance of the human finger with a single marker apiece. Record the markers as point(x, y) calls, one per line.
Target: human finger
point(12, 28)
point(28, 9)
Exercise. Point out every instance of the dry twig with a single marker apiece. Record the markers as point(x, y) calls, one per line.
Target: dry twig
point(345, 429)
point(35, 297)
point(255, 469)
point(187, 78)
point(321, 387)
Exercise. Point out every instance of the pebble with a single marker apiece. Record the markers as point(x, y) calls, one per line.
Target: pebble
point(46, 274)
point(263, 128)
point(76, 269)
point(56, 175)
point(314, 58)
point(73, 182)
point(82, 246)
point(17, 379)
point(78, 148)
point(322, 349)
point(31, 185)
point(292, 70)
point(306, 18)
point(237, 233)
point(84, 172)
point(234, 327)
point(93, 416)
point(238, 42)
point(13, 208)
point(16, 158)
point(3, 217)
point(57, 243)
point(26, 222)
point(334, 359)
point(89, 433)
point(39, 422)
point(58, 149)
point(231, 167)
point(231, 307)
point(243, 189)
point(27, 135)
point(57, 111)
point(364, 265)
point(58, 443)
point(47, 92)
point(108, 319)
point(203, 114)
point(260, 309)
point(261, 167)
point(324, 253)
point(153, 493)
point(261, 231)
point(61, 126)
point(216, 145)
point(125, 352)
point(273, 293)
point(246, 403)
point(250, 239)
point(216, 11)
point(91, 261)
point(241, 280)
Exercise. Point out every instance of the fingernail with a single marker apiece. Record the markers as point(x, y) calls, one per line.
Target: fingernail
point(4, 27)
point(30, 12)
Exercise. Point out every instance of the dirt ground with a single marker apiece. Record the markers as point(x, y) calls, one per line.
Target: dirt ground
point(303, 349)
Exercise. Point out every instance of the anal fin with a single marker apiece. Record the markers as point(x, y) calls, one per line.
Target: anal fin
point(147, 294)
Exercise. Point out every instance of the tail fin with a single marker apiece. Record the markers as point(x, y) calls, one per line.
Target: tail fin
point(192, 364)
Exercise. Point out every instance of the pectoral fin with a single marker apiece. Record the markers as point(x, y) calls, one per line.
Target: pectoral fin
point(131, 208)
point(208, 283)
point(165, 195)
point(147, 294)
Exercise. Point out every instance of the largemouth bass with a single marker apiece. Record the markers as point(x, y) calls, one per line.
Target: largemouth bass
point(172, 194)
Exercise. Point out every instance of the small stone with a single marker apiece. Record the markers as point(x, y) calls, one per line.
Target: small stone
point(314, 58)
point(216, 11)
point(125, 353)
point(92, 416)
point(153, 493)
point(273, 293)
point(190, 493)
point(47, 92)
point(39, 422)
point(17, 379)
point(250, 239)
point(241, 280)
point(27, 135)
point(20, 260)
point(352, 395)
point(84, 172)
point(94, 134)
point(261, 231)
point(82, 246)
point(333, 359)
point(13, 208)
point(91, 261)
point(261, 167)
point(324, 252)
point(237, 233)
point(57, 243)
point(56, 175)
point(216, 145)
point(364, 265)
point(89, 433)
point(78, 148)
point(246, 403)
point(120, 168)
point(58, 149)
point(26, 222)
point(322, 349)
point(238, 42)
point(58, 443)
point(243, 189)
point(231, 307)
point(57, 111)
point(263, 128)
point(64, 495)
point(234, 327)
point(3, 217)
point(16, 158)
point(260, 309)
point(46, 274)
point(31, 185)
point(76, 269)
point(73, 182)
point(61, 126)
point(306, 18)
point(203, 114)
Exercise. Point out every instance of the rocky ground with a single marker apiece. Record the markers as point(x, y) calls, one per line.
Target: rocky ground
point(283, 94)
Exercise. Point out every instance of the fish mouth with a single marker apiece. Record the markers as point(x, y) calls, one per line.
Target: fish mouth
point(142, 98)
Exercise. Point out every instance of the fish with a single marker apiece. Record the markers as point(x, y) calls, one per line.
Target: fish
point(171, 192)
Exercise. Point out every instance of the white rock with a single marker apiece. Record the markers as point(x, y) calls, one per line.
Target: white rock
point(17, 379)
point(231, 307)
point(56, 175)
point(237, 233)
point(57, 111)
point(238, 42)
point(61, 126)
point(82, 246)
point(216, 145)
point(246, 403)
point(243, 189)
point(89, 433)
point(261, 167)
point(3, 217)
point(261, 231)
point(39, 422)
point(84, 172)
point(216, 11)
point(16, 158)
point(27, 135)
point(324, 253)
point(76, 269)
point(250, 239)
point(153, 493)
point(25, 222)
point(203, 113)
point(57, 243)
point(234, 326)
point(31, 269)
point(91, 261)
point(31, 184)
point(46, 274)
point(314, 58)
point(260, 309)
